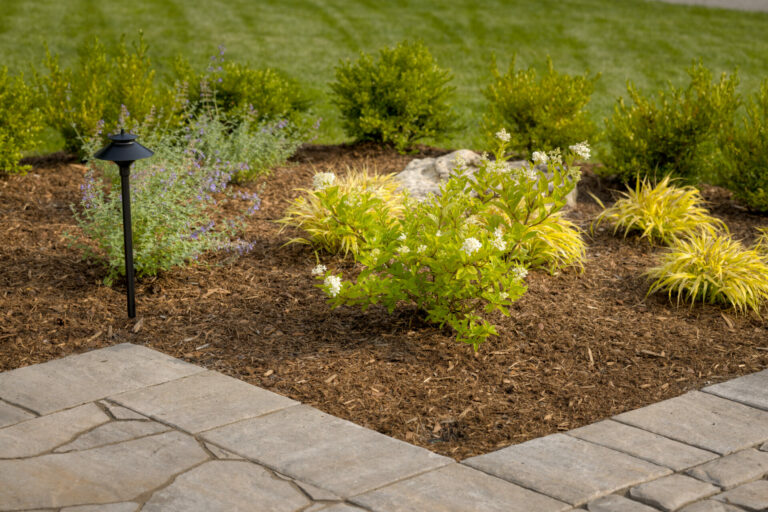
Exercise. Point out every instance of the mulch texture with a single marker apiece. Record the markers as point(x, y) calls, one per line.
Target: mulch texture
point(578, 347)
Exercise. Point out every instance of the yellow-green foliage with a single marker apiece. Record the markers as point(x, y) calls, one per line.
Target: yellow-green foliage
point(761, 244)
point(661, 213)
point(338, 213)
point(20, 122)
point(556, 243)
point(714, 269)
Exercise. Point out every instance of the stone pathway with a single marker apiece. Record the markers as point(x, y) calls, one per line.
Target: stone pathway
point(127, 428)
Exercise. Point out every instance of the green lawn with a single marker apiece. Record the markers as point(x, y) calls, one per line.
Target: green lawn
point(647, 42)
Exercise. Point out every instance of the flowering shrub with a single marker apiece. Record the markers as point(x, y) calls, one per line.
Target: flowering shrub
point(460, 251)
point(747, 155)
point(546, 112)
point(678, 134)
point(661, 213)
point(397, 99)
point(172, 199)
point(713, 269)
point(339, 214)
point(20, 122)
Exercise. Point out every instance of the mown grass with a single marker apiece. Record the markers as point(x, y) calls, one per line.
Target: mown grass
point(647, 42)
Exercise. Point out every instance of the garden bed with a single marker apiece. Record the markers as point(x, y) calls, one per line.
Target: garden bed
point(577, 347)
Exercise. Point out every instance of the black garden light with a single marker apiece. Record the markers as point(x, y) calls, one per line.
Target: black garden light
point(123, 150)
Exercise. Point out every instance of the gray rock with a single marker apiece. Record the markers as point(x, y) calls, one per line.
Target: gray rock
point(342, 507)
point(710, 506)
point(227, 486)
point(110, 474)
point(203, 401)
point(456, 488)
point(113, 432)
point(126, 506)
point(221, 453)
point(734, 469)
point(567, 468)
point(43, 434)
point(316, 493)
point(83, 378)
point(424, 176)
point(751, 496)
point(122, 413)
point(672, 492)
point(642, 444)
point(750, 389)
point(322, 450)
point(703, 420)
point(616, 503)
point(10, 415)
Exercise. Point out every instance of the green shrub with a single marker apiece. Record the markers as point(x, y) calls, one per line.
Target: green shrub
point(173, 199)
point(398, 98)
point(101, 90)
point(239, 90)
point(336, 213)
point(677, 133)
point(544, 113)
point(715, 270)
point(660, 213)
point(746, 172)
point(460, 252)
point(20, 122)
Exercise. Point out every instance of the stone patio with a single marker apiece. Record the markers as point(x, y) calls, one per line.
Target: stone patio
point(127, 428)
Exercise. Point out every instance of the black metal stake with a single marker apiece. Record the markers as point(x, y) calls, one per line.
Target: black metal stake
point(125, 188)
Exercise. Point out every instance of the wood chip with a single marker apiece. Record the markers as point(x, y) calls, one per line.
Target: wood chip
point(138, 326)
point(270, 372)
point(331, 378)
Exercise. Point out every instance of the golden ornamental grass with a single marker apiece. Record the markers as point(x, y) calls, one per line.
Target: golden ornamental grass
point(661, 213)
point(713, 269)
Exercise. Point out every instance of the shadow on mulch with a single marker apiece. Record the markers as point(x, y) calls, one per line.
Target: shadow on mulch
point(578, 347)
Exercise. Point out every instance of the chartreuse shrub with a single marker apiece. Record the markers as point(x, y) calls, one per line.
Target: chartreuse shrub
point(761, 243)
point(173, 200)
point(20, 122)
point(679, 132)
point(660, 213)
point(542, 112)
point(240, 90)
point(458, 253)
point(100, 89)
point(397, 98)
point(337, 214)
point(747, 155)
point(713, 269)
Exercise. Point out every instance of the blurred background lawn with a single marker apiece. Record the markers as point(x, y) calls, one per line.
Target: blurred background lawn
point(643, 41)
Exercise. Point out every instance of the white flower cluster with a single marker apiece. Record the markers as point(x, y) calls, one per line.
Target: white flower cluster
point(322, 180)
point(503, 136)
point(556, 157)
point(471, 245)
point(459, 164)
point(520, 272)
point(333, 283)
point(581, 150)
point(402, 236)
point(539, 157)
point(318, 270)
point(498, 239)
point(421, 249)
point(403, 249)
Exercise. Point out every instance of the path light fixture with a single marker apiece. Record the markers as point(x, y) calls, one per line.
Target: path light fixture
point(124, 150)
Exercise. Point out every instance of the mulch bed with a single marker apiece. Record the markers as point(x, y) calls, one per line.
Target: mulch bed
point(578, 347)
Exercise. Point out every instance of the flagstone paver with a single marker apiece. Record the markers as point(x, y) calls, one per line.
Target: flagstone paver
point(43, 434)
point(567, 468)
point(643, 444)
point(734, 469)
point(164, 435)
point(109, 474)
point(749, 389)
point(703, 420)
point(323, 450)
point(10, 414)
point(751, 496)
point(203, 401)
point(616, 503)
point(230, 486)
point(457, 488)
point(672, 492)
point(82, 378)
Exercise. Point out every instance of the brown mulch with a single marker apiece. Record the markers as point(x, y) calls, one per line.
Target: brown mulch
point(578, 347)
